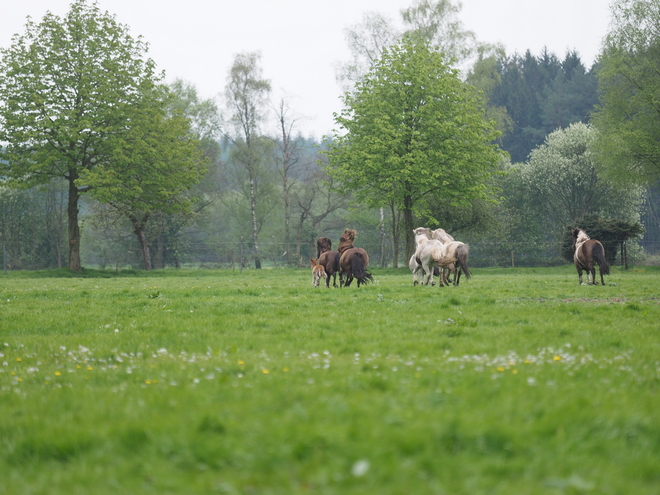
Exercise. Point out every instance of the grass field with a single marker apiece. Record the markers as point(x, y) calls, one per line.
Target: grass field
point(519, 381)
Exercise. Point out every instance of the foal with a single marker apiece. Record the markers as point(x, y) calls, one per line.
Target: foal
point(318, 272)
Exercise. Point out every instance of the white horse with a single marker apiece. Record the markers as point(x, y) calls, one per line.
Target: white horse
point(456, 254)
point(422, 235)
point(429, 254)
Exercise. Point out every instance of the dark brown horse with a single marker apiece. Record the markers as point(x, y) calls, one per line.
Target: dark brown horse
point(329, 259)
point(353, 261)
point(586, 253)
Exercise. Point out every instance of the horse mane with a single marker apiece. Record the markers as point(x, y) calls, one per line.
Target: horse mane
point(579, 238)
point(442, 236)
point(346, 240)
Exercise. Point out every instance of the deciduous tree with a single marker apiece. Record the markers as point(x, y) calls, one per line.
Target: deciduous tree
point(410, 130)
point(69, 88)
point(246, 95)
point(629, 82)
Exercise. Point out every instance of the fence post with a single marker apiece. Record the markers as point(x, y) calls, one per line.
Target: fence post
point(513, 265)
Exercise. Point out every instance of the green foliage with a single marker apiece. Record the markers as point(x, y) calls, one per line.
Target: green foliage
point(412, 130)
point(563, 178)
point(629, 83)
point(33, 226)
point(69, 90)
point(220, 381)
point(530, 97)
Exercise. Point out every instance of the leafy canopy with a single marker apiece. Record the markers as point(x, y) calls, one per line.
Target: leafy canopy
point(412, 129)
point(68, 88)
point(629, 82)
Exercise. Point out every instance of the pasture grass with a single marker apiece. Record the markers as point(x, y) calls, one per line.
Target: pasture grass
point(517, 381)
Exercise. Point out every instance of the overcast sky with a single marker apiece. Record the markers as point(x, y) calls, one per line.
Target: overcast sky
point(301, 41)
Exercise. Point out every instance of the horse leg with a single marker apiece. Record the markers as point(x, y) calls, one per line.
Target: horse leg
point(579, 270)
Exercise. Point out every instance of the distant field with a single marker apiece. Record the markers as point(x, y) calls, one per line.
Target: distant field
point(519, 381)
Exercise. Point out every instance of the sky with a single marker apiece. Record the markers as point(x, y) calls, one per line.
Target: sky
point(302, 41)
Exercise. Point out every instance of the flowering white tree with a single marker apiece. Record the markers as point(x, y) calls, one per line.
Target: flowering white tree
point(563, 177)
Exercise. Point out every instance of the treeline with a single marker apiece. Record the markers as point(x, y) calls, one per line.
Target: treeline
point(256, 192)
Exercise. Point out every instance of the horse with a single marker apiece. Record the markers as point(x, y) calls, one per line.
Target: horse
point(318, 272)
point(353, 261)
point(329, 259)
point(457, 252)
point(422, 235)
point(428, 255)
point(586, 253)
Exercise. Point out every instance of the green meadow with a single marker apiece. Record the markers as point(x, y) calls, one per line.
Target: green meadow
point(519, 381)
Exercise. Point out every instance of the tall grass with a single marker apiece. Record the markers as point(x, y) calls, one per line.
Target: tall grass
point(518, 381)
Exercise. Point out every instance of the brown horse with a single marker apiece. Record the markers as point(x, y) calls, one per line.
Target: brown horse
point(586, 253)
point(353, 261)
point(329, 259)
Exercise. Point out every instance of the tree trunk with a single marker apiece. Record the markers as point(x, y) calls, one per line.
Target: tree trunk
point(255, 229)
point(408, 226)
point(383, 247)
point(74, 228)
point(138, 228)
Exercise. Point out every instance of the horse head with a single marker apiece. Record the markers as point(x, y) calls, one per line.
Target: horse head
point(422, 234)
point(579, 237)
point(323, 244)
point(348, 235)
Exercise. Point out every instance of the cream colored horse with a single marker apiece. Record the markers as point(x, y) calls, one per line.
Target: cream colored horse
point(422, 235)
point(429, 254)
point(456, 254)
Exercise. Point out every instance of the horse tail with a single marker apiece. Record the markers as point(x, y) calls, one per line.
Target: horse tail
point(599, 256)
point(359, 270)
point(336, 263)
point(462, 259)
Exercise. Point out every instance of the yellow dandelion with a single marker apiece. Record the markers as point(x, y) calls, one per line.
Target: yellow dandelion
point(19, 379)
point(265, 371)
point(556, 358)
point(514, 371)
point(285, 369)
point(18, 360)
point(527, 361)
point(500, 368)
point(57, 373)
point(240, 362)
point(148, 382)
point(89, 368)
point(78, 366)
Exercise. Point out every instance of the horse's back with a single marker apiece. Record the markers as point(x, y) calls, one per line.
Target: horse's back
point(348, 255)
point(329, 261)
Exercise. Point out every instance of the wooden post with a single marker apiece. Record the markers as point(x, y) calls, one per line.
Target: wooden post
point(513, 264)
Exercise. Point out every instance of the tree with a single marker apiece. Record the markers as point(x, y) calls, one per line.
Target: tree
point(153, 169)
point(68, 91)
point(563, 180)
point(246, 94)
point(412, 130)
point(434, 21)
point(289, 163)
point(628, 116)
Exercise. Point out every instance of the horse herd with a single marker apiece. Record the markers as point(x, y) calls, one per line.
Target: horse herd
point(436, 254)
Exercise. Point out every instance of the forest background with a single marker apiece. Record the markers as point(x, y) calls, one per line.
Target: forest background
point(265, 194)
